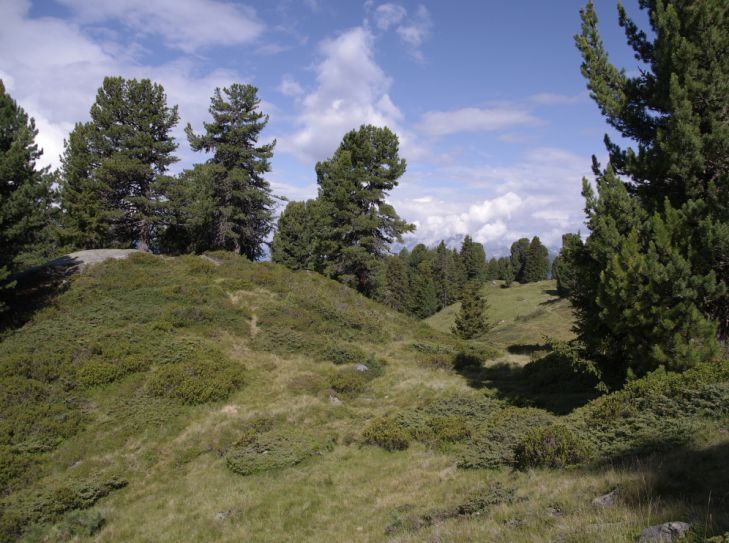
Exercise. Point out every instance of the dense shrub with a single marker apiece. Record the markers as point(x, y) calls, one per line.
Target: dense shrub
point(343, 353)
point(199, 380)
point(386, 433)
point(348, 381)
point(554, 446)
point(279, 447)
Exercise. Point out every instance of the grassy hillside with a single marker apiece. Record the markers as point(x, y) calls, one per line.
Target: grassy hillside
point(195, 399)
point(521, 315)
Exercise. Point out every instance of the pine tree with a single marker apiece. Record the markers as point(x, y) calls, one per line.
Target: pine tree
point(471, 321)
point(519, 250)
point(26, 213)
point(360, 224)
point(672, 216)
point(473, 257)
point(298, 238)
point(536, 262)
point(114, 166)
point(441, 276)
point(562, 268)
point(456, 275)
point(506, 271)
point(396, 288)
point(243, 215)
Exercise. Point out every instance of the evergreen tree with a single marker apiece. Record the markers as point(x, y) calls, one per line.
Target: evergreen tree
point(396, 288)
point(298, 238)
point(243, 215)
point(441, 276)
point(536, 262)
point(26, 214)
point(519, 250)
point(562, 267)
point(492, 269)
point(672, 215)
point(114, 166)
point(471, 321)
point(473, 257)
point(191, 211)
point(360, 224)
point(456, 275)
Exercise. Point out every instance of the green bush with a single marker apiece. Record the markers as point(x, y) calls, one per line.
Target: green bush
point(197, 381)
point(348, 381)
point(343, 353)
point(96, 371)
point(277, 448)
point(386, 433)
point(554, 446)
point(449, 429)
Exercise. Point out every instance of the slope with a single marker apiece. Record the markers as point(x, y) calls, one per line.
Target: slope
point(212, 399)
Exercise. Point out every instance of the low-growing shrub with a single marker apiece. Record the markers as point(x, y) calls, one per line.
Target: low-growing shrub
point(199, 380)
point(554, 446)
point(277, 448)
point(96, 372)
point(348, 381)
point(386, 433)
point(343, 353)
point(449, 429)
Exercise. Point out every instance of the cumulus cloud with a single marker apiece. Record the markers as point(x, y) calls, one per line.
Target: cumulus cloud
point(351, 90)
point(57, 85)
point(187, 25)
point(471, 119)
point(496, 204)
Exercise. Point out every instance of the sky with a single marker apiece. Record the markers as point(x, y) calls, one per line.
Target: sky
point(486, 97)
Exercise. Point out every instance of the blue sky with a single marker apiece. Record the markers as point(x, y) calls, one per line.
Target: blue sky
point(493, 115)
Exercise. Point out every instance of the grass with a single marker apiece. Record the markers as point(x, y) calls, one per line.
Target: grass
point(225, 397)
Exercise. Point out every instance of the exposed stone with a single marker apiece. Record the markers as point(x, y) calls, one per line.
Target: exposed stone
point(664, 533)
point(334, 400)
point(361, 368)
point(606, 500)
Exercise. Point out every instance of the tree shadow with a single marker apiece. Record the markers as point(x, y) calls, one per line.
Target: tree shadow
point(528, 348)
point(689, 484)
point(560, 394)
point(551, 292)
point(34, 289)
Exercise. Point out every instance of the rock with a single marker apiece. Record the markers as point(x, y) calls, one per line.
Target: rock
point(361, 368)
point(220, 516)
point(606, 500)
point(664, 533)
point(334, 400)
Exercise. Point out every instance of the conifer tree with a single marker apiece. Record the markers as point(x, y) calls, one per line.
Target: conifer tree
point(114, 166)
point(26, 215)
point(297, 243)
point(441, 276)
point(243, 215)
point(471, 321)
point(536, 262)
point(562, 268)
point(359, 223)
point(672, 215)
point(506, 271)
point(456, 275)
point(473, 257)
point(519, 250)
point(396, 288)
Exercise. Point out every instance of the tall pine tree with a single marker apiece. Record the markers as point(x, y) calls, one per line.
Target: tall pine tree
point(243, 212)
point(26, 213)
point(471, 321)
point(360, 224)
point(672, 215)
point(114, 166)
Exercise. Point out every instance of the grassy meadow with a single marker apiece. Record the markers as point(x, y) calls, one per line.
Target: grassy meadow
point(189, 399)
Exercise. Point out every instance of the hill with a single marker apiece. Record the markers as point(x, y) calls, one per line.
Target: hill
point(214, 399)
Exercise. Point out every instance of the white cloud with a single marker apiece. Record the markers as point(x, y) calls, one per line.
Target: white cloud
point(351, 90)
point(387, 15)
point(187, 25)
point(290, 87)
point(414, 32)
point(57, 85)
point(471, 119)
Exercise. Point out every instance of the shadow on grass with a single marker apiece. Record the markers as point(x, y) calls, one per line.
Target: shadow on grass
point(528, 348)
point(516, 384)
point(689, 484)
point(34, 289)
